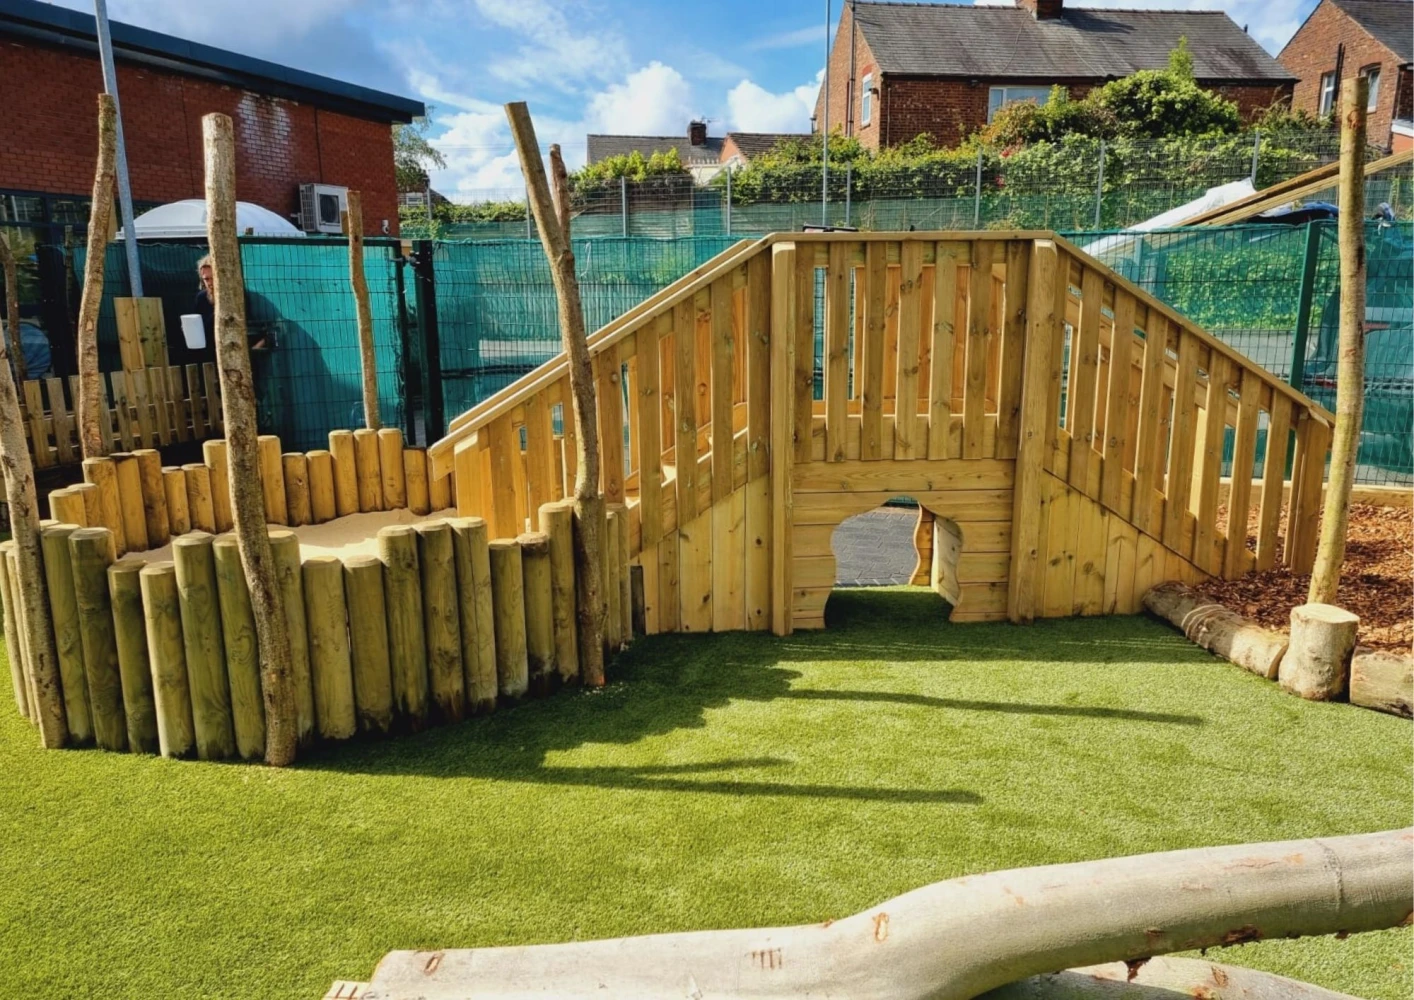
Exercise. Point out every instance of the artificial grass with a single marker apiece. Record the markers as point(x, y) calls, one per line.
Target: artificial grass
point(723, 780)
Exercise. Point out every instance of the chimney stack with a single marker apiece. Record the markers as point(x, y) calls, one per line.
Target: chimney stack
point(1043, 10)
point(697, 133)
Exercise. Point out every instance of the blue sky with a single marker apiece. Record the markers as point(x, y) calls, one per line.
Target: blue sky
point(631, 66)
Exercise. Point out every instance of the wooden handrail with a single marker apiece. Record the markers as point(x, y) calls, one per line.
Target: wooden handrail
point(440, 454)
point(1203, 336)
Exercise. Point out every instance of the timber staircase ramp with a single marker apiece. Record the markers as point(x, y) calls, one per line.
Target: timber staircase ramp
point(1066, 430)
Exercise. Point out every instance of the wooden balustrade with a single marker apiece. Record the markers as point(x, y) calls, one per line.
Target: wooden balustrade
point(1000, 378)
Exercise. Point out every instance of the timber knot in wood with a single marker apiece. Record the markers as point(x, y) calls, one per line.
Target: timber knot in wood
point(1242, 935)
point(1132, 967)
point(881, 927)
point(433, 961)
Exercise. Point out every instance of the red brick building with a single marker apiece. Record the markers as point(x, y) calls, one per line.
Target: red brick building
point(898, 70)
point(291, 127)
point(1343, 39)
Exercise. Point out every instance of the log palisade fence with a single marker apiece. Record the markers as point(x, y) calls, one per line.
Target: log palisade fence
point(145, 408)
point(1065, 431)
point(1064, 428)
point(159, 655)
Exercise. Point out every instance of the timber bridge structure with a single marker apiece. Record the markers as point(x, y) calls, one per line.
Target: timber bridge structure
point(1066, 430)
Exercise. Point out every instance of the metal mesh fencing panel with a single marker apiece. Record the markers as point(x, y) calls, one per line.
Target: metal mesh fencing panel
point(496, 313)
point(1272, 292)
point(1075, 183)
point(299, 304)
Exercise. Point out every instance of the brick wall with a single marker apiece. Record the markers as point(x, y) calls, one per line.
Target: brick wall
point(1312, 52)
point(841, 111)
point(49, 135)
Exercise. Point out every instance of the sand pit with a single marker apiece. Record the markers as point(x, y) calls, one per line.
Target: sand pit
point(356, 534)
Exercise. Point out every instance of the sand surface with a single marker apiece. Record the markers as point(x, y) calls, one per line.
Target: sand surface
point(356, 534)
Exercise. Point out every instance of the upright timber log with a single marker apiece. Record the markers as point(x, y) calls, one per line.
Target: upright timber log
point(243, 449)
point(589, 503)
point(353, 227)
point(91, 411)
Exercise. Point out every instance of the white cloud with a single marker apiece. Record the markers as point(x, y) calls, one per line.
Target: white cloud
point(753, 108)
point(813, 35)
point(654, 100)
point(258, 24)
point(553, 52)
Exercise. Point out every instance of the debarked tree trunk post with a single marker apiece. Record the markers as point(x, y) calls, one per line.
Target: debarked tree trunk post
point(243, 449)
point(90, 401)
point(589, 532)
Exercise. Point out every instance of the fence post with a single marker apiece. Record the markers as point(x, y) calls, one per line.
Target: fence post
point(405, 342)
point(729, 201)
point(529, 231)
point(623, 204)
point(848, 184)
point(977, 194)
point(1309, 263)
point(425, 278)
point(1100, 185)
point(1256, 148)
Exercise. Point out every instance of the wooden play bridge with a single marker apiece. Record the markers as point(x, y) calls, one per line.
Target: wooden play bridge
point(1065, 429)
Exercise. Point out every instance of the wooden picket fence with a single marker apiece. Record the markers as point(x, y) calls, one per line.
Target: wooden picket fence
point(1063, 427)
point(146, 408)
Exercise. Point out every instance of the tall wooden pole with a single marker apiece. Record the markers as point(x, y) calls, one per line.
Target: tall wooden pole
point(560, 180)
point(242, 445)
point(353, 226)
point(12, 308)
point(589, 503)
point(1350, 365)
point(90, 402)
point(30, 590)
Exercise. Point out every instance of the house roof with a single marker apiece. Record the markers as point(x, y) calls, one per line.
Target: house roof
point(753, 144)
point(991, 42)
point(1388, 21)
point(601, 147)
point(76, 31)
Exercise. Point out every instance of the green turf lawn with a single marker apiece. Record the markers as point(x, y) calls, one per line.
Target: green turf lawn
point(717, 781)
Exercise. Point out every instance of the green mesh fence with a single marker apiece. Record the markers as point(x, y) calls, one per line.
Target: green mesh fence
point(1252, 286)
point(297, 295)
point(496, 312)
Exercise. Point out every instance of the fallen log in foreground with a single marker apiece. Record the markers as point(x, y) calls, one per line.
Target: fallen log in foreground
point(954, 940)
point(1163, 979)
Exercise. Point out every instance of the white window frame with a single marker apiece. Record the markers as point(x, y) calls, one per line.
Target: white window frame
point(1039, 95)
point(1325, 96)
point(866, 99)
point(1372, 73)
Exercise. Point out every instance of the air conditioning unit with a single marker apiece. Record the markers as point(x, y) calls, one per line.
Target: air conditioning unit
point(321, 207)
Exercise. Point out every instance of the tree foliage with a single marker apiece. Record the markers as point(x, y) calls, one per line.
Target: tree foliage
point(413, 155)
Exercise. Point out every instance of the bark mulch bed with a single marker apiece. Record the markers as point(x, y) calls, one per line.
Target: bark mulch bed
point(1375, 582)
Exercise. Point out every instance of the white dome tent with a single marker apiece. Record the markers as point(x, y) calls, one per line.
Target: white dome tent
point(187, 219)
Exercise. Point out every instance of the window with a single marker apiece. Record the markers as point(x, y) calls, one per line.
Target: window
point(1000, 97)
point(1327, 94)
point(866, 99)
point(1372, 73)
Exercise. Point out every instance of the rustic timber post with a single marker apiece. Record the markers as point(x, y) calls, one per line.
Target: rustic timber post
point(90, 401)
point(589, 502)
point(28, 589)
point(243, 453)
point(783, 319)
point(1041, 319)
point(353, 225)
point(1350, 364)
point(12, 309)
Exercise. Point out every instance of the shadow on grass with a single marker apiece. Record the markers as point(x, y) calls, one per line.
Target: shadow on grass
point(669, 683)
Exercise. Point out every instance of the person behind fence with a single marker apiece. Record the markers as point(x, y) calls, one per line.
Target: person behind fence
point(257, 336)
